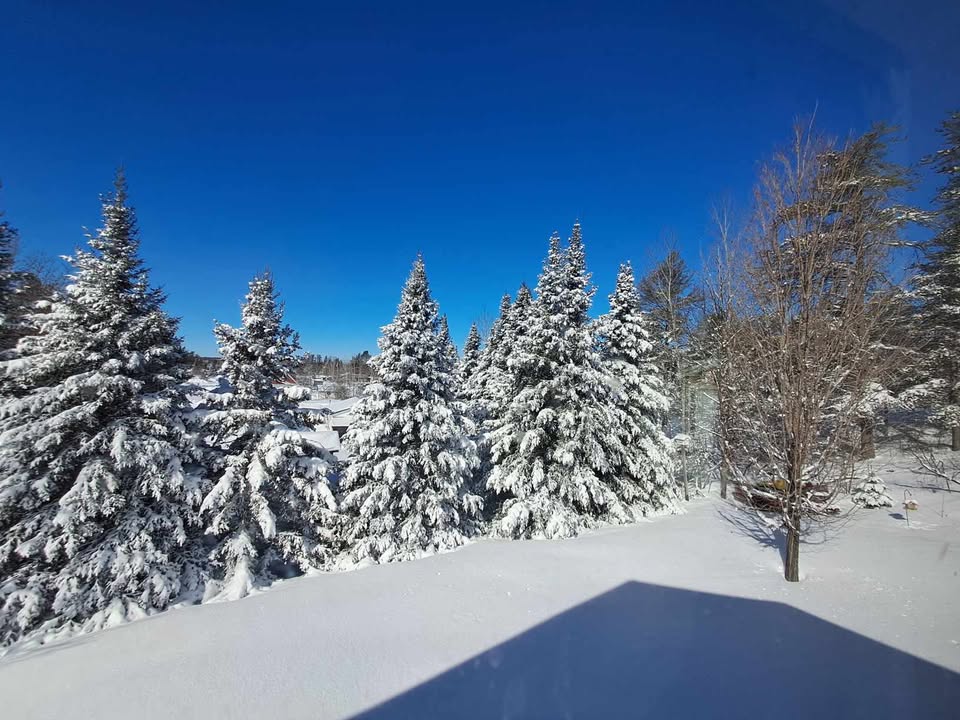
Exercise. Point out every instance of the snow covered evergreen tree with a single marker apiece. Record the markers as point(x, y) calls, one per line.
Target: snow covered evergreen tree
point(514, 332)
point(553, 446)
point(486, 384)
point(471, 356)
point(271, 510)
point(20, 291)
point(642, 478)
point(98, 486)
point(492, 383)
point(938, 289)
point(872, 493)
point(449, 348)
point(406, 490)
point(8, 245)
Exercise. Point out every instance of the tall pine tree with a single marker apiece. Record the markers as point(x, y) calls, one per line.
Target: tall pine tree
point(486, 384)
point(514, 332)
point(670, 299)
point(553, 448)
point(471, 356)
point(449, 348)
point(938, 289)
point(97, 483)
point(8, 247)
point(497, 380)
point(642, 476)
point(406, 490)
point(271, 510)
point(492, 383)
point(20, 292)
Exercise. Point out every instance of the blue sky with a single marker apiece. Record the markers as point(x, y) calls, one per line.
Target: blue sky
point(332, 142)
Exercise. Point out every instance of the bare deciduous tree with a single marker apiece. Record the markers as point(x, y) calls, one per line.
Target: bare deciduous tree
point(808, 312)
point(718, 336)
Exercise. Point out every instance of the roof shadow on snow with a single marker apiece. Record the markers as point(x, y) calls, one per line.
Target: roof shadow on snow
point(644, 650)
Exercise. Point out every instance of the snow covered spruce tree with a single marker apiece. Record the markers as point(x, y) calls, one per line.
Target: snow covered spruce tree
point(643, 477)
point(938, 289)
point(406, 490)
point(98, 486)
point(492, 381)
point(8, 245)
point(514, 332)
point(471, 356)
point(449, 349)
point(20, 291)
point(553, 449)
point(872, 493)
point(485, 385)
point(271, 511)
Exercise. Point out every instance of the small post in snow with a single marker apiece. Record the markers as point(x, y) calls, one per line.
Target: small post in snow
point(908, 505)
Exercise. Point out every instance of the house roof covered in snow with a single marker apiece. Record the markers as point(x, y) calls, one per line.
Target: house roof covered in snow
point(330, 406)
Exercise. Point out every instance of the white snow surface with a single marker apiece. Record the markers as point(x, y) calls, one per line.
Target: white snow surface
point(658, 619)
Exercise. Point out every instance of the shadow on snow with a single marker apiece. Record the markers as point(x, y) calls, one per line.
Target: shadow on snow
point(644, 650)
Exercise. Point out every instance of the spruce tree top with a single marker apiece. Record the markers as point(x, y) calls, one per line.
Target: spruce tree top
point(411, 341)
point(497, 331)
point(262, 351)
point(447, 346)
point(564, 296)
point(125, 329)
point(518, 325)
point(471, 349)
point(624, 332)
point(578, 291)
point(8, 246)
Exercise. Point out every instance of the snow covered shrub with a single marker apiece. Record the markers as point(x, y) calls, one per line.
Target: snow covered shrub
point(271, 510)
point(99, 481)
point(406, 490)
point(872, 493)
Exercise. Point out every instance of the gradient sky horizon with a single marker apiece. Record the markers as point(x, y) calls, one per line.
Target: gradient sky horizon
point(332, 142)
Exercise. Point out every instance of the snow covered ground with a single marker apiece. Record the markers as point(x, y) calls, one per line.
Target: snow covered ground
point(677, 617)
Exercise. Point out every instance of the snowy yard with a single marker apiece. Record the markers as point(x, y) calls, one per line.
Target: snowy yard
point(257, 462)
point(685, 616)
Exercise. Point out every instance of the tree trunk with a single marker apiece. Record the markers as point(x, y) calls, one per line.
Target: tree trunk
point(868, 448)
point(791, 564)
point(794, 512)
point(686, 490)
point(724, 474)
point(955, 439)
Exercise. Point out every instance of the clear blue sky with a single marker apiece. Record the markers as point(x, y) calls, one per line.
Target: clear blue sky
point(332, 141)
